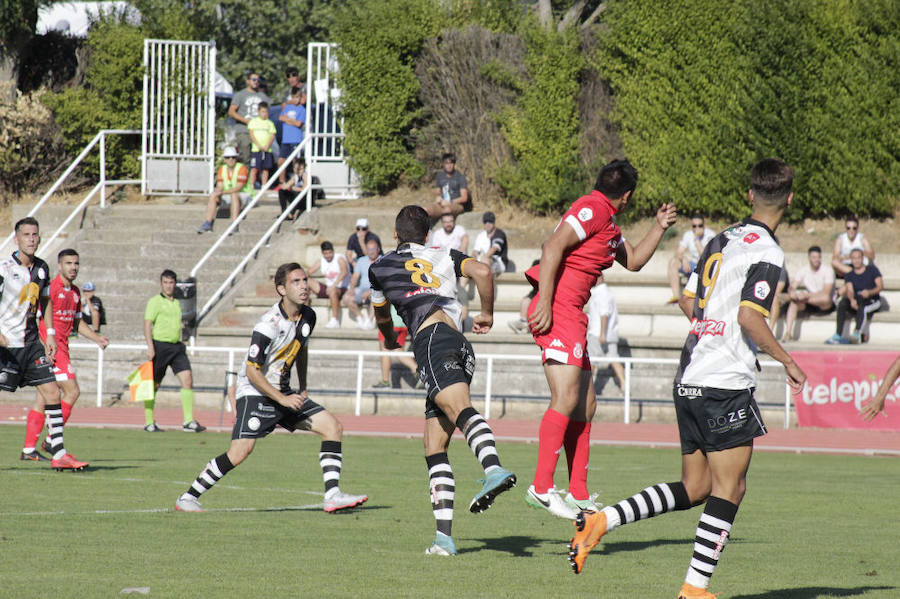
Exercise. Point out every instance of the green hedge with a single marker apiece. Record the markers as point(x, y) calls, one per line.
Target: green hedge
point(704, 90)
point(542, 128)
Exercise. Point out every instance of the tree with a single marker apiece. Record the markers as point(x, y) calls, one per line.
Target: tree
point(18, 19)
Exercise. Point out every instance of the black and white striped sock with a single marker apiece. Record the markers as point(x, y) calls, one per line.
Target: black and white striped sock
point(443, 490)
point(55, 429)
point(331, 459)
point(713, 531)
point(652, 501)
point(215, 470)
point(480, 438)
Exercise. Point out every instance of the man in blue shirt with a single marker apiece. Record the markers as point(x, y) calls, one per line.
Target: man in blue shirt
point(861, 296)
point(360, 299)
point(293, 118)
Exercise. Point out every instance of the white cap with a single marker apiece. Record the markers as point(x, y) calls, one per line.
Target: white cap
point(362, 222)
point(229, 153)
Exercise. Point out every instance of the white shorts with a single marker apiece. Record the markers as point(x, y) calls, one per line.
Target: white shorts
point(602, 350)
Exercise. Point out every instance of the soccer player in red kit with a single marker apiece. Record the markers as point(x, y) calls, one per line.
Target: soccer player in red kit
point(585, 242)
point(65, 302)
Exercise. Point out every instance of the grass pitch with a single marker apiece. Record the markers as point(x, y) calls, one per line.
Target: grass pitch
point(810, 527)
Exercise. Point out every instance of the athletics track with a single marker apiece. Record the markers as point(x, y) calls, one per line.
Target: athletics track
point(795, 440)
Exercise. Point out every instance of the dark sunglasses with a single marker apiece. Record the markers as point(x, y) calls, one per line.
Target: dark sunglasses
point(254, 78)
point(696, 226)
point(362, 228)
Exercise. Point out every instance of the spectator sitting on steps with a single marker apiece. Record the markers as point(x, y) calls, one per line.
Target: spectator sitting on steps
point(451, 193)
point(862, 287)
point(232, 186)
point(357, 241)
point(810, 291)
point(851, 239)
point(337, 276)
point(689, 249)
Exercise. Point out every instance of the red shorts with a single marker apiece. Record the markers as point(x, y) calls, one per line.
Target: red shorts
point(566, 341)
point(62, 365)
point(401, 335)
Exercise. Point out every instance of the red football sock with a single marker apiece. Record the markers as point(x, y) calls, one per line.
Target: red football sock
point(66, 410)
point(34, 424)
point(550, 441)
point(578, 454)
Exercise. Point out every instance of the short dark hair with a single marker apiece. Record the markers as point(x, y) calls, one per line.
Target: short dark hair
point(168, 274)
point(282, 273)
point(616, 179)
point(291, 72)
point(28, 220)
point(698, 216)
point(771, 180)
point(856, 250)
point(66, 252)
point(262, 105)
point(814, 248)
point(327, 245)
point(449, 156)
point(412, 224)
point(852, 219)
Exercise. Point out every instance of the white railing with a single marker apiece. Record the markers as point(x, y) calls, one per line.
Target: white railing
point(361, 355)
point(101, 186)
point(306, 193)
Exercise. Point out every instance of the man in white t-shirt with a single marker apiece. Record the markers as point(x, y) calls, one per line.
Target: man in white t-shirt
point(336, 271)
point(450, 236)
point(687, 254)
point(851, 239)
point(603, 328)
point(810, 290)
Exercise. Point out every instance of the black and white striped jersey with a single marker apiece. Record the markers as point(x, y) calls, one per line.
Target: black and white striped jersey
point(274, 346)
point(418, 280)
point(21, 288)
point(739, 267)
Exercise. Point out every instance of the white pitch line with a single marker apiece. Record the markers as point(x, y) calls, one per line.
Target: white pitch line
point(163, 510)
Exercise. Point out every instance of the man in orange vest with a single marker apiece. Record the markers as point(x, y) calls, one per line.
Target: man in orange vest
point(232, 186)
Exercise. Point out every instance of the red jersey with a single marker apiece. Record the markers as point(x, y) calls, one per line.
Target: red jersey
point(66, 308)
point(591, 218)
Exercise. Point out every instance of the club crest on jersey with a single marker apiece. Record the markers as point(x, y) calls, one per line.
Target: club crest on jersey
point(578, 352)
point(585, 214)
point(304, 330)
point(761, 290)
point(707, 327)
point(254, 351)
point(750, 237)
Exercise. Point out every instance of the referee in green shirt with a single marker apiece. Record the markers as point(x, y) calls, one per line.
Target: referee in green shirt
point(162, 329)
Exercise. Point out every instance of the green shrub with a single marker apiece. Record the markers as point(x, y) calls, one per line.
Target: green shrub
point(542, 128)
point(30, 143)
point(379, 41)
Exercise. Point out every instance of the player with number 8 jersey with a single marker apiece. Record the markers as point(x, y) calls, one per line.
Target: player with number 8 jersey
point(420, 282)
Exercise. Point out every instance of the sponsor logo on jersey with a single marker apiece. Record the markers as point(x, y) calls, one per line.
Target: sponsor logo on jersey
point(304, 330)
point(731, 420)
point(419, 291)
point(585, 214)
point(707, 327)
point(689, 391)
point(761, 290)
point(558, 343)
point(578, 352)
point(750, 237)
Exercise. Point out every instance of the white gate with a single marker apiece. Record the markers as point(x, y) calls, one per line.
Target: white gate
point(325, 153)
point(178, 145)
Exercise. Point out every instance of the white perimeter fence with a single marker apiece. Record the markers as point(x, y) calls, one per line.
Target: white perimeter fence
point(230, 354)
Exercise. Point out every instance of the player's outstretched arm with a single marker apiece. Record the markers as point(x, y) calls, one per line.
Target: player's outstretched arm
point(564, 238)
point(86, 330)
point(386, 325)
point(484, 282)
point(754, 323)
point(635, 257)
point(871, 407)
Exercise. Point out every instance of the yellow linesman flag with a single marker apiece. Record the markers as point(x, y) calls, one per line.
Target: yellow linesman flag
point(140, 383)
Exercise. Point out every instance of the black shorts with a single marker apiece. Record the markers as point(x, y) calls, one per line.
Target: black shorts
point(444, 357)
point(256, 416)
point(24, 366)
point(262, 160)
point(168, 354)
point(715, 419)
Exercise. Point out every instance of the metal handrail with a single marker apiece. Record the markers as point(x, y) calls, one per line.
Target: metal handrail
point(100, 137)
point(360, 355)
point(246, 209)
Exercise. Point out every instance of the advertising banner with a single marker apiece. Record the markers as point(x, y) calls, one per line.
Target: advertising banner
point(838, 383)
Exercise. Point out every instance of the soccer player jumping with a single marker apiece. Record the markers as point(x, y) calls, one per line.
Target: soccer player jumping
point(584, 244)
point(727, 298)
point(420, 282)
